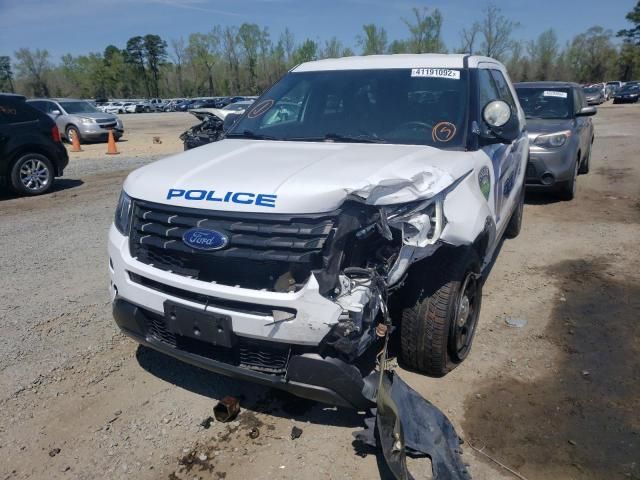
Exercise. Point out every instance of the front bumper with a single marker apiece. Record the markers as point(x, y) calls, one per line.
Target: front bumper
point(547, 167)
point(327, 380)
point(101, 134)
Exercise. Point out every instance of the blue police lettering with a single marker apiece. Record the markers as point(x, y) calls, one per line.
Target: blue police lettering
point(236, 198)
point(241, 198)
point(263, 200)
point(195, 194)
point(174, 192)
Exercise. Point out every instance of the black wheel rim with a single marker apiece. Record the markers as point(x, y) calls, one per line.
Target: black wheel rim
point(466, 317)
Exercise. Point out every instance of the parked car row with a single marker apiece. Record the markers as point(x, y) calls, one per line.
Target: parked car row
point(159, 105)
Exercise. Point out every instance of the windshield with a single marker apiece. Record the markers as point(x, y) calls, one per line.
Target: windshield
point(630, 89)
point(592, 90)
point(78, 107)
point(545, 103)
point(422, 106)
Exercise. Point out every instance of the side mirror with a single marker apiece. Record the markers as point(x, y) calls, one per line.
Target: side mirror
point(230, 120)
point(502, 124)
point(56, 112)
point(587, 112)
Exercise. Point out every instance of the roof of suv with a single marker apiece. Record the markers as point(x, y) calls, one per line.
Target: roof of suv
point(369, 62)
point(546, 85)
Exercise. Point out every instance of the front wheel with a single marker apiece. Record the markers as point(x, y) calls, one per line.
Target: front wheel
point(32, 174)
point(515, 222)
point(437, 331)
point(568, 188)
point(584, 166)
point(72, 132)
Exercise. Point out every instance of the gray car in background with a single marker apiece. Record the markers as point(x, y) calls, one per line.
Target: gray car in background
point(560, 134)
point(79, 117)
point(594, 95)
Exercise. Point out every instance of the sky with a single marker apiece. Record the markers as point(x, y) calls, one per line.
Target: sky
point(83, 26)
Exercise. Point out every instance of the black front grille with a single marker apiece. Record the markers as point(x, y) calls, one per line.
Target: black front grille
point(108, 125)
point(105, 120)
point(265, 251)
point(256, 355)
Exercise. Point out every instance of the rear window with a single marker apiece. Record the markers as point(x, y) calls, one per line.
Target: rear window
point(17, 112)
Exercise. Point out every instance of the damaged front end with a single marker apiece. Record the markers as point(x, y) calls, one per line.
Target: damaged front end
point(369, 259)
point(209, 130)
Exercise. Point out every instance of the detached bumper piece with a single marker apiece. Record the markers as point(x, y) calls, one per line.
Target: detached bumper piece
point(305, 374)
point(407, 424)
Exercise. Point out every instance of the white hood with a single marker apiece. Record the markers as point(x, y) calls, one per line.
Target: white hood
point(297, 177)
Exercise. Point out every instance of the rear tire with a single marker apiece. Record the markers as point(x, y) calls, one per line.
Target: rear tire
point(32, 174)
point(437, 329)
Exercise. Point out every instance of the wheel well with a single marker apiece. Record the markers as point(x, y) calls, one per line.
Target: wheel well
point(69, 125)
point(20, 151)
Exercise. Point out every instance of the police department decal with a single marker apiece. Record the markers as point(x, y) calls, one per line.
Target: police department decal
point(484, 181)
point(436, 73)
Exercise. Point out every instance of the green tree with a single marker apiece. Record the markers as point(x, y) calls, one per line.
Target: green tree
point(34, 67)
point(203, 51)
point(543, 53)
point(496, 32)
point(135, 56)
point(155, 53)
point(6, 75)
point(250, 36)
point(592, 56)
point(306, 52)
point(425, 31)
point(373, 41)
point(632, 34)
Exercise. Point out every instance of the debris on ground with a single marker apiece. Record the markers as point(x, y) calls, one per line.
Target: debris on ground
point(516, 322)
point(206, 423)
point(254, 433)
point(227, 409)
point(53, 452)
point(295, 433)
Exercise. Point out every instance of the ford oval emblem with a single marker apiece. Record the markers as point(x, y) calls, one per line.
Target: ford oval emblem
point(203, 239)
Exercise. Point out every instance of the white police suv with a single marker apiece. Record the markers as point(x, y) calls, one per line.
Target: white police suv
point(352, 186)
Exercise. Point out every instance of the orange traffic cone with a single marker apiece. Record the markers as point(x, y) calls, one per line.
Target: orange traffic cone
point(111, 145)
point(75, 143)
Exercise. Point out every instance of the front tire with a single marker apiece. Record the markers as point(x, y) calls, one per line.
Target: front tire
point(71, 132)
point(584, 166)
point(568, 188)
point(32, 174)
point(515, 222)
point(437, 331)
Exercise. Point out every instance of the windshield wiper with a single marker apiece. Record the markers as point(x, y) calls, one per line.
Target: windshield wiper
point(251, 135)
point(330, 137)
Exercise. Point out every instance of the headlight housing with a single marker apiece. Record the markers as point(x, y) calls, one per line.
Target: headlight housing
point(552, 140)
point(123, 215)
point(87, 120)
point(421, 222)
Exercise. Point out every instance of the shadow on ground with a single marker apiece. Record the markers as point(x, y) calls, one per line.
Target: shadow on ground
point(256, 398)
point(581, 419)
point(59, 185)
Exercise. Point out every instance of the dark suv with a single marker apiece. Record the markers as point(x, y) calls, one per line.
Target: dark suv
point(31, 152)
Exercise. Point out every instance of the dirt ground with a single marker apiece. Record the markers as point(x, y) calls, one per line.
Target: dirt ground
point(140, 130)
point(556, 399)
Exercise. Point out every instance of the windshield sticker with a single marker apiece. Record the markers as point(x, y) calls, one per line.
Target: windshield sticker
point(260, 109)
point(436, 73)
point(550, 93)
point(443, 132)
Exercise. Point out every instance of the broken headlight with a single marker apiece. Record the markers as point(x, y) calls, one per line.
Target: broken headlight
point(123, 214)
point(421, 222)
